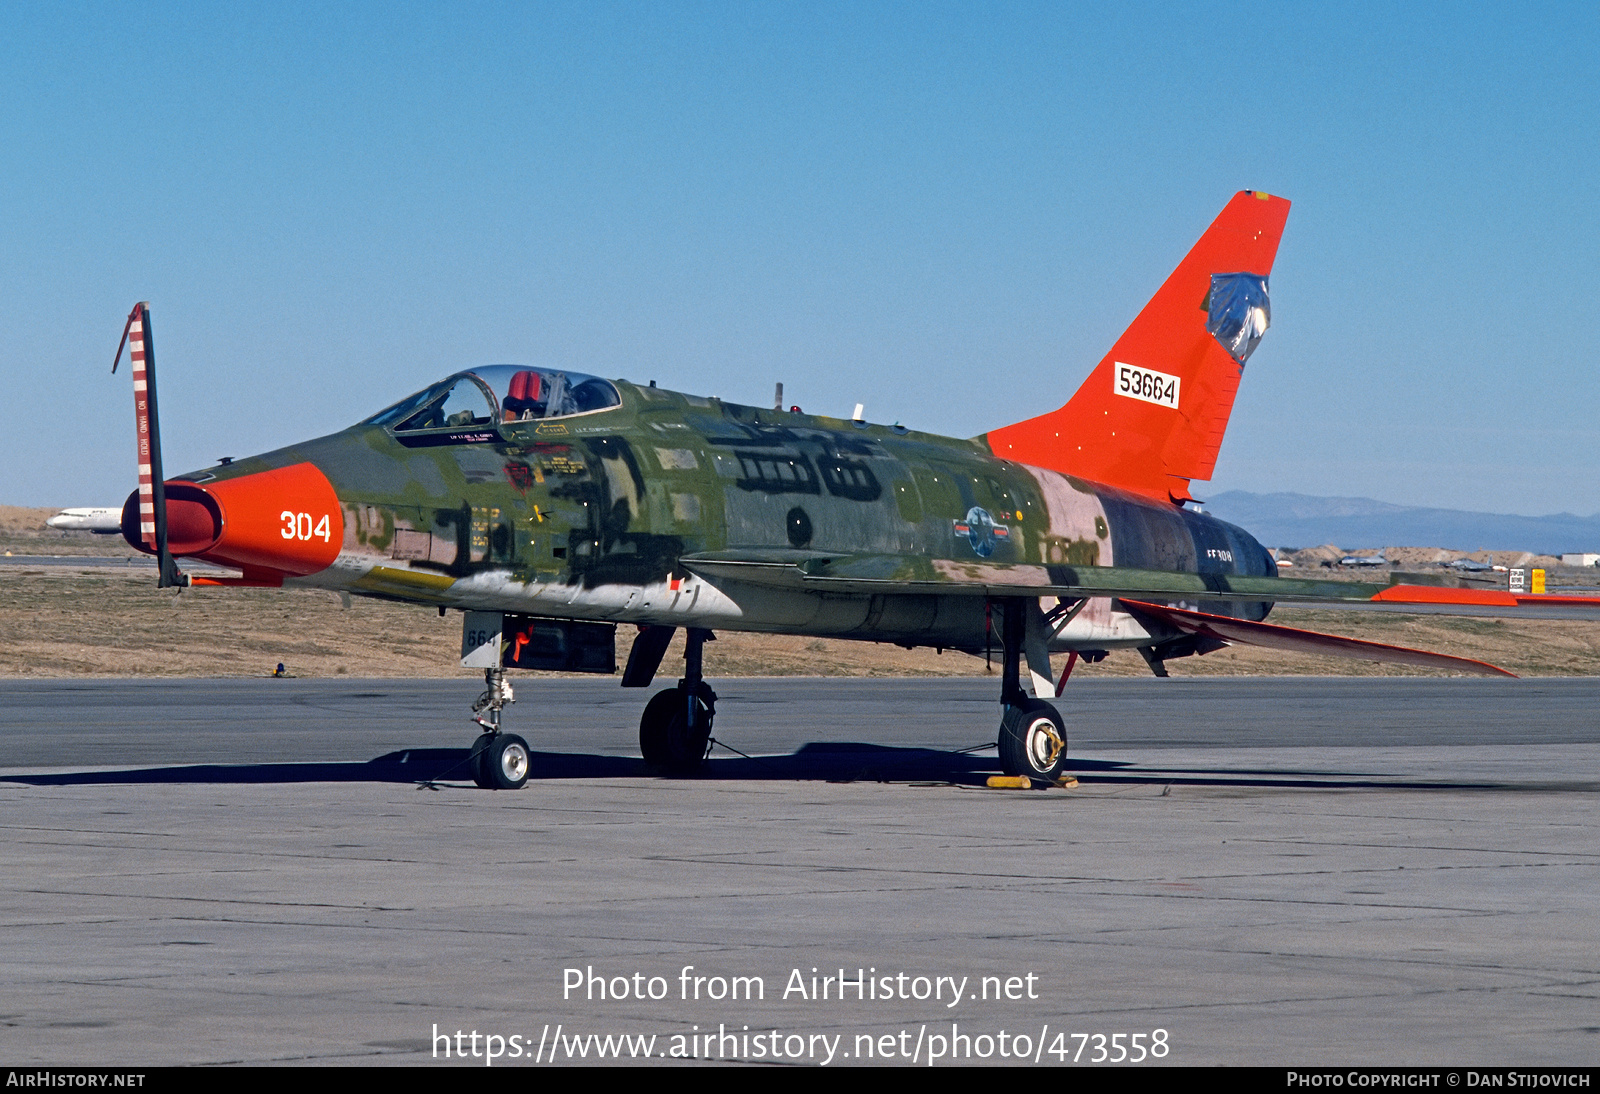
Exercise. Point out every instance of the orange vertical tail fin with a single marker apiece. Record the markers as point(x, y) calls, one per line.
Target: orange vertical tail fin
point(1151, 416)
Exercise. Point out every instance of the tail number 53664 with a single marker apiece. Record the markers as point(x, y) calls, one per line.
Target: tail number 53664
point(301, 526)
point(1147, 384)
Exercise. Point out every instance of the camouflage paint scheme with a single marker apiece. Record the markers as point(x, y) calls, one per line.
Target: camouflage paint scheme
point(643, 512)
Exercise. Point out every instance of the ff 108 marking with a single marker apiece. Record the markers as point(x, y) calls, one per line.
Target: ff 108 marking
point(298, 526)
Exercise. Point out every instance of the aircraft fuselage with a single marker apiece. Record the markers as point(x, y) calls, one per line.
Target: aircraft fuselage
point(592, 516)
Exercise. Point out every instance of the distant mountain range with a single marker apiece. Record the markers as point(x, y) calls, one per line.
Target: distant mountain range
point(1298, 520)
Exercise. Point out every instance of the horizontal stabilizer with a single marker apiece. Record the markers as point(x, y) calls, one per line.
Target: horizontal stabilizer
point(1270, 636)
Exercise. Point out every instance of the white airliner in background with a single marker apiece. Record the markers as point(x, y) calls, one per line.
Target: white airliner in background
point(103, 521)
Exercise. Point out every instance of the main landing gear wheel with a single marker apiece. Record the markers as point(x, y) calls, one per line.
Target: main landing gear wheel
point(1033, 742)
point(503, 762)
point(666, 737)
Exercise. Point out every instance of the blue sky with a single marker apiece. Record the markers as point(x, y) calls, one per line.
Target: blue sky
point(946, 212)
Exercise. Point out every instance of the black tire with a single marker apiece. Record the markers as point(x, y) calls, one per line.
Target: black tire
point(665, 739)
point(1033, 742)
point(505, 762)
point(480, 774)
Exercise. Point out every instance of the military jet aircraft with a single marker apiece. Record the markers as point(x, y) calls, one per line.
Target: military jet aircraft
point(1364, 560)
point(553, 507)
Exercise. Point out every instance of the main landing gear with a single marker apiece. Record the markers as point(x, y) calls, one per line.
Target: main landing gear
point(1033, 738)
point(499, 761)
point(675, 732)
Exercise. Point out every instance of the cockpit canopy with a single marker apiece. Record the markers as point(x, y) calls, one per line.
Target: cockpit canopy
point(482, 398)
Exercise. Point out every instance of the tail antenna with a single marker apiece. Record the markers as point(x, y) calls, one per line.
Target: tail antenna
point(152, 484)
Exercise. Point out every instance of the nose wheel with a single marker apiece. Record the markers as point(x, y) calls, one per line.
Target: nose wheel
point(499, 761)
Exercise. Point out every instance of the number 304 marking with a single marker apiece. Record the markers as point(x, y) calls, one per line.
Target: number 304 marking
point(299, 526)
point(1147, 384)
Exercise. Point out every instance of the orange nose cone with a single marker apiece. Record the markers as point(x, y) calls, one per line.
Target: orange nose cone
point(287, 521)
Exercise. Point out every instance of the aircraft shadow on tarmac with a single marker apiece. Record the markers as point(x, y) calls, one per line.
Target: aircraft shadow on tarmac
point(827, 762)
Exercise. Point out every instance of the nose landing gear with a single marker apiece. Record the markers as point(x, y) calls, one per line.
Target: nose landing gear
point(499, 761)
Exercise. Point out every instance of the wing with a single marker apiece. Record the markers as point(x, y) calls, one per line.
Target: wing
point(880, 574)
point(1170, 598)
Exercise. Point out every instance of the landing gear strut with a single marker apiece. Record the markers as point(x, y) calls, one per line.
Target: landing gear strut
point(675, 731)
point(499, 761)
point(1033, 738)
